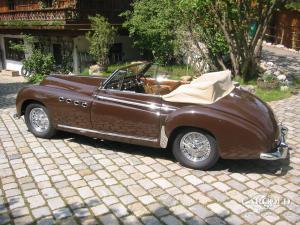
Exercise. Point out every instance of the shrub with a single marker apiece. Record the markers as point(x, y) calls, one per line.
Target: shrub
point(101, 38)
point(39, 65)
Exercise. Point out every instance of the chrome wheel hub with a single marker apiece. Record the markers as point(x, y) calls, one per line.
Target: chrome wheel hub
point(195, 146)
point(39, 119)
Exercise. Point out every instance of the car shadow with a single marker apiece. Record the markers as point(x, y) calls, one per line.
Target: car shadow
point(275, 168)
point(75, 213)
point(254, 166)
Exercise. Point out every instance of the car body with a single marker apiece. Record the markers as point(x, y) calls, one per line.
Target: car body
point(242, 125)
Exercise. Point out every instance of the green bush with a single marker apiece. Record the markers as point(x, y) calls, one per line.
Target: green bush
point(101, 38)
point(39, 65)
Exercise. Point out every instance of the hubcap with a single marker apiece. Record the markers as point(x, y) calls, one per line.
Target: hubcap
point(39, 119)
point(195, 146)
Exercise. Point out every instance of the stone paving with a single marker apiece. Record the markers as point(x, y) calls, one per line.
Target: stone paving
point(290, 61)
point(73, 179)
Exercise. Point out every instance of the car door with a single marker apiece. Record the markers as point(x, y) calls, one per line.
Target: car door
point(127, 116)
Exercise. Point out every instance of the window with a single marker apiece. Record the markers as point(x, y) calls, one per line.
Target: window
point(48, 3)
point(11, 4)
point(13, 54)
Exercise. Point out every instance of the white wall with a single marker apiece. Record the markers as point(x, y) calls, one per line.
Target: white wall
point(13, 65)
point(10, 64)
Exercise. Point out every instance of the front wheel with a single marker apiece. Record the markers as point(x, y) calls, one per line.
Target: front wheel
point(196, 149)
point(38, 121)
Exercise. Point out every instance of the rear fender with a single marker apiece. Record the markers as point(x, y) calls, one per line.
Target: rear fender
point(235, 137)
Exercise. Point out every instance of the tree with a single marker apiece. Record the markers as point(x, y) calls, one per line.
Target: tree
point(151, 24)
point(220, 30)
point(101, 39)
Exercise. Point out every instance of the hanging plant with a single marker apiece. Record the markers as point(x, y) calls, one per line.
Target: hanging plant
point(42, 4)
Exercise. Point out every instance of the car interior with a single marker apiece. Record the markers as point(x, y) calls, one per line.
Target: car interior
point(146, 80)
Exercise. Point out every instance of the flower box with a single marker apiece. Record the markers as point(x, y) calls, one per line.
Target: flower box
point(268, 85)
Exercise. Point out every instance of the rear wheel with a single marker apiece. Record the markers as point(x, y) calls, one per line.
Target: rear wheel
point(38, 121)
point(196, 149)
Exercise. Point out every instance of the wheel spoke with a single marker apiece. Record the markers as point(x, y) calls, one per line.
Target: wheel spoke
point(39, 119)
point(195, 146)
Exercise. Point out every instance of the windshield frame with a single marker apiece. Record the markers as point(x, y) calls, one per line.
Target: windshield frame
point(147, 65)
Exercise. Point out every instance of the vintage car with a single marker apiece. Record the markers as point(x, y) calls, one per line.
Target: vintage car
point(200, 121)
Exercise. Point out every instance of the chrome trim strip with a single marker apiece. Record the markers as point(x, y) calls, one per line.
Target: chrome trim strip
point(152, 106)
point(163, 138)
point(83, 130)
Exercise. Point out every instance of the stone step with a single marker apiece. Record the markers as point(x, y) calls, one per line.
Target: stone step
point(11, 73)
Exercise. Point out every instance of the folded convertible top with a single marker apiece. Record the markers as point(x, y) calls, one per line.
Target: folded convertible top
point(207, 89)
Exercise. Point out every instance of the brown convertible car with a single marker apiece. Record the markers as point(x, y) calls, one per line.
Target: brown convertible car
point(200, 120)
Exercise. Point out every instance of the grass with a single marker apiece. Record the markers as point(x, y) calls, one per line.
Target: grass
point(273, 94)
point(269, 95)
point(177, 71)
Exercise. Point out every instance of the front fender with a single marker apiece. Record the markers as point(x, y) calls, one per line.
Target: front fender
point(31, 93)
point(236, 137)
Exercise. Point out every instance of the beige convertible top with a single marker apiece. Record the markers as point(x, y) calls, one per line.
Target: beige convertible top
point(207, 89)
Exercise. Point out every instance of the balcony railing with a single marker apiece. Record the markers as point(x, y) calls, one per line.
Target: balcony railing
point(61, 14)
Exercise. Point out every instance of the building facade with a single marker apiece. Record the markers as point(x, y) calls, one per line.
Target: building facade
point(285, 29)
point(59, 27)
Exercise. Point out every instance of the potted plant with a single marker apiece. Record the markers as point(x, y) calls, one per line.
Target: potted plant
point(101, 38)
point(268, 81)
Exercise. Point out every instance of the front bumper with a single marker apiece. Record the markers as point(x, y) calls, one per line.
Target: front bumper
point(282, 149)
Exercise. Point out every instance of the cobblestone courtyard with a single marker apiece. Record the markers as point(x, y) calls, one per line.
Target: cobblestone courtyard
point(73, 179)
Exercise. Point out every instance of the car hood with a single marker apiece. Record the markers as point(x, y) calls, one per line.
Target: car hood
point(80, 84)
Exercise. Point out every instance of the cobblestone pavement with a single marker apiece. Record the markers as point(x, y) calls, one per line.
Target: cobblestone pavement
point(288, 60)
point(72, 179)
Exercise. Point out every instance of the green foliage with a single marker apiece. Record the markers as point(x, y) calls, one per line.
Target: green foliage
point(24, 23)
point(39, 64)
point(101, 38)
point(269, 78)
point(293, 4)
point(151, 24)
point(273, 94)
point(24, 46)
point(199, 23)
point(231, 31)
point(66, 65)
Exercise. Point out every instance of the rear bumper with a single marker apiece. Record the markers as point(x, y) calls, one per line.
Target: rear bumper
point(281, 151)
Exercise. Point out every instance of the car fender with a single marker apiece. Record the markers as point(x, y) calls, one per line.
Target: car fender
point(235, 136)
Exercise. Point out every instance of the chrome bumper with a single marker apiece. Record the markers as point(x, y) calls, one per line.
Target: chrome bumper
point(282, 149)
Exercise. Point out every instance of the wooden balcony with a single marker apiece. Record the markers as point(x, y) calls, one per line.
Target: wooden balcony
point(59, 14)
